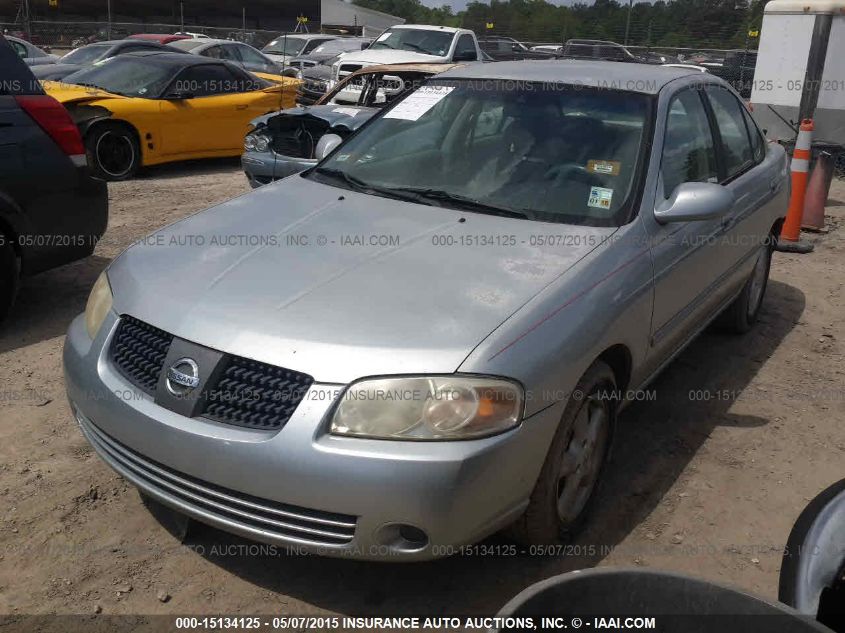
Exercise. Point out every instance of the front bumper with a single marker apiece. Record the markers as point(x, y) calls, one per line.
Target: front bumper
point(299, 487)
point(262, 168)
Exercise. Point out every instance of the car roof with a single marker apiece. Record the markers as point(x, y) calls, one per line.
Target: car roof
point(644, 78)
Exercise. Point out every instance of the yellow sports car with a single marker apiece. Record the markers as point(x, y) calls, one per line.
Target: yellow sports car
point(155, 107)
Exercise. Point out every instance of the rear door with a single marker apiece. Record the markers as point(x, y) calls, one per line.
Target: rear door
point(212, 114)
point(754, 182)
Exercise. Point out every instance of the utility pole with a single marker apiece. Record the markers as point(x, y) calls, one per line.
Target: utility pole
point(108, 24)
point(243, 24)
point(181, 17)
point(628, 21)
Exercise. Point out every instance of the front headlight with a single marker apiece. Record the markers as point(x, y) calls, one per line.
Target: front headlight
point(256, 142)
point(428, 408)
point(98, 306)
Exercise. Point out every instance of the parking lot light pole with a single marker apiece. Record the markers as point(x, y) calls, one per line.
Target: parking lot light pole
point(108, 23)
point(628, 21)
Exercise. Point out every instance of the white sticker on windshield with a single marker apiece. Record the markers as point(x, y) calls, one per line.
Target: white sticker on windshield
point(419, 102)
point(600, 197)
point(347, 111)
point(383, 37)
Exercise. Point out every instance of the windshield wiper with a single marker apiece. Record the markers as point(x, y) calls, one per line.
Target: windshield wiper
point(359, 185)
point(464, 202)
point(96, 87)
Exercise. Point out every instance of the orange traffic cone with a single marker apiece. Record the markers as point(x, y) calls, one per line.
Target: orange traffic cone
point(817, 193)
point(790, 234)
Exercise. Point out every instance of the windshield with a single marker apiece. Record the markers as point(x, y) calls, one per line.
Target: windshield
point(545, 152)
point(338, 46)
point(285, 46)
point(133, 77)
point(85, 54)
point(425, 41)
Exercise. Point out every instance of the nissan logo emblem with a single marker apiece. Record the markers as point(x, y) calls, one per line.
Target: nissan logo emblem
point(183, 376)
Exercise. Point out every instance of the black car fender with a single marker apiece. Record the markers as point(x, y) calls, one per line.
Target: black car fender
point(85, 115)
point(812, 575)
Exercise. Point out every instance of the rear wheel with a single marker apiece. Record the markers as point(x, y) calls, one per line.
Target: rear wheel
point(113, 151)
point(740, 316)
point(563, 494)
point(9, 276)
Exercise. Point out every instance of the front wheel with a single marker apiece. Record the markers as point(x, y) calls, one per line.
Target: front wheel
point(570, 475)
point(113, 151)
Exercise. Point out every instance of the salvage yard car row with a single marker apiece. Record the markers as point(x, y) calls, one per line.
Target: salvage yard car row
point(280, 358)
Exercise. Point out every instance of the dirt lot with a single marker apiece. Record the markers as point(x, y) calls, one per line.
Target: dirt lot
point(706, 479)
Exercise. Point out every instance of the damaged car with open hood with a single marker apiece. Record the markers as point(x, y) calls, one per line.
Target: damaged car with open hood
point(290, 141)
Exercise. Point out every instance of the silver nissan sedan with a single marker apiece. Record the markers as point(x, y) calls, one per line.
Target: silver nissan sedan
point(429, 336)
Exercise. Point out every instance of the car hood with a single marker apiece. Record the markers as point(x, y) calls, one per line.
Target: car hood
point(387, 56)
point(336, 116)
point(338, 284)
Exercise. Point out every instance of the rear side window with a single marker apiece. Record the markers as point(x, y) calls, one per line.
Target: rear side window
point(758, 143)
point(689, 154)
point(736, 146)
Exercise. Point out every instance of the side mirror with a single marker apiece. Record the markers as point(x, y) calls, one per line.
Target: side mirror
point(695, 201)
point(326, 145)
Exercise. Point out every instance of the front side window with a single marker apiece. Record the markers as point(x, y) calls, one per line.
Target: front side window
point(20, 49)
point(207, 80)
point(736, 146)
point(568, 155)
point(465, 48)
point(689, 154)
point(250, 55)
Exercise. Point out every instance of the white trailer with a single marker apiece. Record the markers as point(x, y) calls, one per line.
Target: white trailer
point(800, 69)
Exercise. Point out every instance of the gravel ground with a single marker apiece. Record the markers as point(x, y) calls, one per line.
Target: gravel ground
point(705, 485)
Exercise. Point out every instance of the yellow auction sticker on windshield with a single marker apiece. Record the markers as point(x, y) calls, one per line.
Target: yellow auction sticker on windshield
point(600, 197)
point(606, 167)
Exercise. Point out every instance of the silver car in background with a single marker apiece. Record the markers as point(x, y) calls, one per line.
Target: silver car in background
point(428, 337)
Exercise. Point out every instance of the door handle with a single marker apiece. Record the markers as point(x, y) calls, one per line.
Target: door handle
point(775, 184)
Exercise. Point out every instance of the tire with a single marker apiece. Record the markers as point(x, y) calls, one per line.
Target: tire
point(544, 522)
point(9, 276)
point(113, 151)
point(740, 316)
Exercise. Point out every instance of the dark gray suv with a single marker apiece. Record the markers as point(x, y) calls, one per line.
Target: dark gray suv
point(52, 211)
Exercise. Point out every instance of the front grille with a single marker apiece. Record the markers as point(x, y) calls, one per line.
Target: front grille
point(138, 351)
point(245, 393)
point(255, 394)
point(219, 504)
